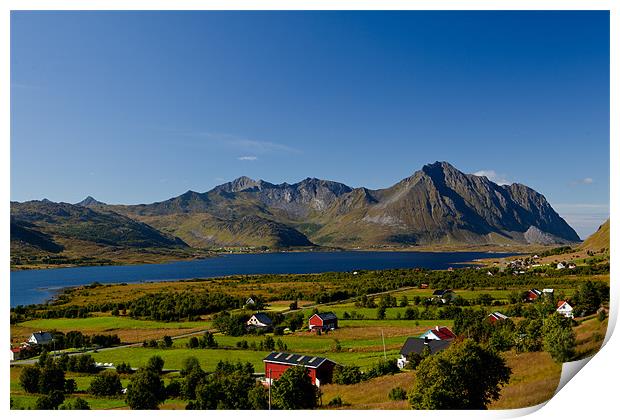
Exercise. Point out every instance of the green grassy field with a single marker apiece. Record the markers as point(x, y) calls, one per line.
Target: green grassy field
point(108, 323)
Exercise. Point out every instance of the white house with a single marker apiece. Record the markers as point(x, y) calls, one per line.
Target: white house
point(565, 309)
point(259, 320)
point(41, 338)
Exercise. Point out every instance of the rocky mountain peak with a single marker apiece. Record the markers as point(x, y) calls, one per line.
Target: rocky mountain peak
point(90, 201)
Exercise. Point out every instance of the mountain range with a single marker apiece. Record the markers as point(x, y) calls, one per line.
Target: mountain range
point(438, 204)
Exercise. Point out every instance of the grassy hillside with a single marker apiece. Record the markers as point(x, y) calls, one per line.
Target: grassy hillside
point(599, 239)
point(45, 234)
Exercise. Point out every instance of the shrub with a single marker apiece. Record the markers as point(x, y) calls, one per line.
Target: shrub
point(105, 384)
point(29, 379)
point(123, 367)
point(397, 394)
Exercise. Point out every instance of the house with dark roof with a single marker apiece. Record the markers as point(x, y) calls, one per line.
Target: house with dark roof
point(324, 321)
point(439, 333)
point(443, 295)
point(41, 338)
point(417, 345)
point(259, 320)
point(320, 369)
point(496, 316)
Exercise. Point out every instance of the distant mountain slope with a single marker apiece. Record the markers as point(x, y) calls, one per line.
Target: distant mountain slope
point(26, 236)
point(441, 204)
point(67, 222)
point(599, 239)
point(437, 204)
point(202, 230)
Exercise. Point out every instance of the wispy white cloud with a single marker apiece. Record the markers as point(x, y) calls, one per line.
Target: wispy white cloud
point(584, 181)
point(244, 144)
point(247, 158)
point(493, 176)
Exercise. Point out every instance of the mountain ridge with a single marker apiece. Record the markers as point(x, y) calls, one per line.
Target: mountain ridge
point(437, 204)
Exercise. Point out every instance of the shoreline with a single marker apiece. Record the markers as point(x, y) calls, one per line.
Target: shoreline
point(511, 249)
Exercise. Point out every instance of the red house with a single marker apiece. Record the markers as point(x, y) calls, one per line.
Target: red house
point(319, 369)
point(324, 321)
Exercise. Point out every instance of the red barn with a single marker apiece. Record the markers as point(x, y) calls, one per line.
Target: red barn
point(319, 369)
point(324, 321)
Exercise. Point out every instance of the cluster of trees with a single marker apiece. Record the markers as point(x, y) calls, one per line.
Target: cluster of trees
point(234, 324)
point(466, 376)
point(76, 339)
point(106, 384)
point(232, 386)
point(207, 341)
point(267, 344)
point(47, 377)
point(146, 389)
point(84, 363)
point(164, 343)
point(590, 296)
point(544, 329)
point(173, 306)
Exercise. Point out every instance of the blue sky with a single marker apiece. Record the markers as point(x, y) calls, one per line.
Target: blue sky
point(136, 107)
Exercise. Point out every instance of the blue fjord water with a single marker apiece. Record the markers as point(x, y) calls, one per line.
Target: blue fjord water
point(37, 286)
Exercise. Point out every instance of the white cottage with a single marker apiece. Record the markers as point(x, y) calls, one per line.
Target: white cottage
point(259, 320)
point(565, 309)
point(41, 338)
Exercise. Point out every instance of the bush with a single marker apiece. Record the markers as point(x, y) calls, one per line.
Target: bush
point(77, 404)
point(347, 375)
point(70, 386)
point(382, 368)
point(146, 390)
point(50, 402)
point(397, 394)
point(294, 390)
point(29, 379)
point(193, 343)
point(335, 402)
point(105, 384)
point(123, 367)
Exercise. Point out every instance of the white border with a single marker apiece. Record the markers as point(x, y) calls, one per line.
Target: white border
point(589, 394)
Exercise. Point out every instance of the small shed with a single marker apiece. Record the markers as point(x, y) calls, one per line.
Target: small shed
point(320, 369)
point(532, 295)
point(323, 321)
point(496, 317)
